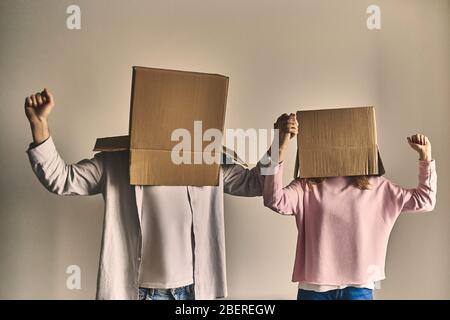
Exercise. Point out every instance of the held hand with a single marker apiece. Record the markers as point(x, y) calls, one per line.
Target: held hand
point(422, 145)
point(288, 129)
point(38, 106)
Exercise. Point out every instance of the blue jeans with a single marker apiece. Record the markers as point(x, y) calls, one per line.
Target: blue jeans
point(349, 293)
point(182, 293)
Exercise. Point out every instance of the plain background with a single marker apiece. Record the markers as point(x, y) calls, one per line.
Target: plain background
point(280, 56)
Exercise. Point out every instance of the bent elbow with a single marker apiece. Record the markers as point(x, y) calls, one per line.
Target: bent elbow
point(276, 205)
point(58, 182)
point(424, 201)
point(53, 187)
point(272, 204)
point(269, 203)
point(428, 204)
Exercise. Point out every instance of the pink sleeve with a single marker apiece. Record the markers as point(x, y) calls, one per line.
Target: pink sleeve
point(422, 198)
point(287, 200)
point(419, 199)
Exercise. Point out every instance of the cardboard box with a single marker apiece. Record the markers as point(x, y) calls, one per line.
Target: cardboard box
point(337, 142)
point(161, 102)
point(111, 144)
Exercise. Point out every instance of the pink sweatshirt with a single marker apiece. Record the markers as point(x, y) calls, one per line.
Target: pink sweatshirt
point(343, 231)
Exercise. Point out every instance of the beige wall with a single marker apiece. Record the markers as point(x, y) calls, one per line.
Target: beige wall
point(279, 58)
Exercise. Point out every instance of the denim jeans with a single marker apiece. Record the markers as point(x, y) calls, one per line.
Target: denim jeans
point(349, 293)
point(182, 293)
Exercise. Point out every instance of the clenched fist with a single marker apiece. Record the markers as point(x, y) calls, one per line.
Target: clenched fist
point(38, 106)
point(422, 145)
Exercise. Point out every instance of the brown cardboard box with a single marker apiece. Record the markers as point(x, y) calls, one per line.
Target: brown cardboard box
point(162, 101)
point(337, 142)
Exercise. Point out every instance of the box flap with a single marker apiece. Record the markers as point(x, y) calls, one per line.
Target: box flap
point(381, 170)
point(154, 167)
point(163, 101)
point(110, 144)
point(337, 142)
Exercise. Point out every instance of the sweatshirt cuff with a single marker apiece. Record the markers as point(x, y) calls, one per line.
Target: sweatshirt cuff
point(424, 164)
point(41, 152)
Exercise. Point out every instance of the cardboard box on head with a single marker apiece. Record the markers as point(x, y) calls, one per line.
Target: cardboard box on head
point(337, 142)
point(163, 101)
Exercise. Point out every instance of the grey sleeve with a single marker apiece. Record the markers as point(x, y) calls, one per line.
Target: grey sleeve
point(239, 181)
point(82, 178)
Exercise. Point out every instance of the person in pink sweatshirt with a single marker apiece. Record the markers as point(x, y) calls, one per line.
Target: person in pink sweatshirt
point(344, 223)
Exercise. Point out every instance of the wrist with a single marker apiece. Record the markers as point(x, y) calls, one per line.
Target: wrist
point(36, 122)
point(281, 155)
point(425, 156)
point(39, 130)
point(282, 147)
